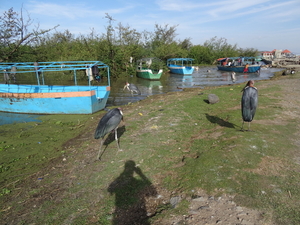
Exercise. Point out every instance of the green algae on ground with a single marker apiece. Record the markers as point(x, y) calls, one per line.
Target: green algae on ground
point(179, 142)
point(26, 148)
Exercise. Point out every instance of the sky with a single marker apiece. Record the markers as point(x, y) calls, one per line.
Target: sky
point(261, 24)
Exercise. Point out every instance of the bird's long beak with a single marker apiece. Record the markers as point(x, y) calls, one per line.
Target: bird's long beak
point(124, 87)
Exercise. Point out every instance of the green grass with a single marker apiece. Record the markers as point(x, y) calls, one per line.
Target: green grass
point(178, 142)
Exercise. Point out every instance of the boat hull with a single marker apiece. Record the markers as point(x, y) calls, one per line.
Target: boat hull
point(48, 99)
point(240, 69)
point(185, 70)
point(149, 74)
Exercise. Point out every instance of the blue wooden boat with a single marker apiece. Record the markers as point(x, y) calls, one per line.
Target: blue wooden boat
point(180, 65)
point(238, 64)
point(40, 98)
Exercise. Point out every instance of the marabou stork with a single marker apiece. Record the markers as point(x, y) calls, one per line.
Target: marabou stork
point(13, 72)
point(37, 67)
point(132, 88)
point(108, 123)
point(6, 77)
point(249, 103)
point(96, 73)
point(233, 77)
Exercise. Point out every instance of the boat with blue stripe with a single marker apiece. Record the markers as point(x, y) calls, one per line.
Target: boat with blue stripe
point(181, 65)
point(239, 64)
point(40, 94)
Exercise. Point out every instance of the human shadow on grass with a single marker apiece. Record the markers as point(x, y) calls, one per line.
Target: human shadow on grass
point(219, 121)
point(131, 189)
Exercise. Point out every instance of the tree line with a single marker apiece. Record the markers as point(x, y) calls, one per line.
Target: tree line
point(115, 47)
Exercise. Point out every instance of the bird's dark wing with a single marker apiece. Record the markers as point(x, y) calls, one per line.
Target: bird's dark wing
point(95, 70)
point(134, 88)
point(108, 122)
point(249, 103)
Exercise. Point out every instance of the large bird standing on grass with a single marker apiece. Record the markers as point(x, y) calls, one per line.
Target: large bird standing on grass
point(108, 123)
point(249, 103)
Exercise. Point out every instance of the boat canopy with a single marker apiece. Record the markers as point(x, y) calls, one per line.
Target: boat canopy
point(180, 59)
point(148, 61)
point(235, 58)
point(40, 67)
point(26, 67)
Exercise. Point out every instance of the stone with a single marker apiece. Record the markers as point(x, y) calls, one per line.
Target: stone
point(212, 98)
point(174, 201)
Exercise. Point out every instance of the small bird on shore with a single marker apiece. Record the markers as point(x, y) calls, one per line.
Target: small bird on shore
point(233, 77)
point(132, 88)
point(249, 103)
point(108, 123)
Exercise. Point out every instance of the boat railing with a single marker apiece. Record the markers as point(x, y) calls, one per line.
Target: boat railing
point(39, 68)
point(12, 88)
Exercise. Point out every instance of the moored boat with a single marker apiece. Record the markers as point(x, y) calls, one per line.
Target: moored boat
point(180, 65)
point(40, 98)
point(149, 68)
point(239, 64)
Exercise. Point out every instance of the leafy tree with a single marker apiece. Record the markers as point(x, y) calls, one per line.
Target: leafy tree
point(201, 54)
point(164, 35)
point(15, 33)
point(219, 48)
point(186, 44)
point(248, 52)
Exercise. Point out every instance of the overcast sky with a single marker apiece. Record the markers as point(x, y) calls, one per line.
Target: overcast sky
point(261, 24)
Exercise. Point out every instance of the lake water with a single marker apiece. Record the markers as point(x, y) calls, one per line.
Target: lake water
point(168, 83)
point(10, 118)
point(174, 82)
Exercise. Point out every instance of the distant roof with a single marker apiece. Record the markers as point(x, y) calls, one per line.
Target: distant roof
point(286, 51)
point(273, 51)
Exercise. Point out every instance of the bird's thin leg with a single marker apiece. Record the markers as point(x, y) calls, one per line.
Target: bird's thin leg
point(243, 126)
point(101, 143)
point(117, 140)
point(249, 126)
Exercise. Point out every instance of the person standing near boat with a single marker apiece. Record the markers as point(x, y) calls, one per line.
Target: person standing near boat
point(239, 61)
point(246, 68)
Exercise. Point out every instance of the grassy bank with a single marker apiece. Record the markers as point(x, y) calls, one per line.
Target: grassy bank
point(172, 145)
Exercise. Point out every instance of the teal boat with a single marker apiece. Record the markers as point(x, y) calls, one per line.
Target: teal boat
point(239, 64)
point(149, 68)
point(41, 96)
point(181, 65)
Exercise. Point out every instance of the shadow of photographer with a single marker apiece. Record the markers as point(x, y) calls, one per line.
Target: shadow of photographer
point(131, 189)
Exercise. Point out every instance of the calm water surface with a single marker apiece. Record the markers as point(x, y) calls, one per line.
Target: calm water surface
point(10, 118)
point(168, 83)
point(174, 82)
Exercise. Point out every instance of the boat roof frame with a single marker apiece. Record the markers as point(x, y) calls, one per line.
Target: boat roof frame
point(57, 66)
point(234, 58)
point(180, 59)
point(27, 67)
